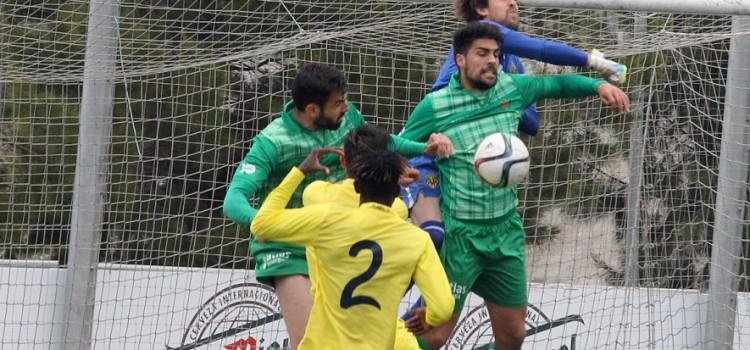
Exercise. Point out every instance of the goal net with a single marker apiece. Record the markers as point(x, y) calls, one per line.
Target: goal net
point(619, 209)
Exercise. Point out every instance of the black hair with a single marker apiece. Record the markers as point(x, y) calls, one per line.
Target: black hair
point(465, 36)
point(365, 137)
point(376, 174)
point(314, 83)
point(466, 10)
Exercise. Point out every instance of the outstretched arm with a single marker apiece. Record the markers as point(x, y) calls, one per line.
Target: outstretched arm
point(275, 222)
point(534, 88)
point(549, 51)
point(519, 44)
point(405, 147)
point(300, 226)
point(554, 52)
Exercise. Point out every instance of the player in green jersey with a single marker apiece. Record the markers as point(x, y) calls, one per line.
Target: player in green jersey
point(483, 251)
point(318, 116)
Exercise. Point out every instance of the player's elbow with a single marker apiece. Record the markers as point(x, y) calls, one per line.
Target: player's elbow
point(227, 209)
point(235, 212)
point(259, 225)
point(230, 208)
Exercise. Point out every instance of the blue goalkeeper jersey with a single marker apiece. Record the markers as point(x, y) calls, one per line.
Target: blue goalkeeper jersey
point(515, 44)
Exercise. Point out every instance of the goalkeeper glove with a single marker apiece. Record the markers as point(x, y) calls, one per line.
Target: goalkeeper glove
point(612, 71)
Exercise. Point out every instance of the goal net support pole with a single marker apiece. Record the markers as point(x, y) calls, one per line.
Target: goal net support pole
point(726, 252)
point(90, 177)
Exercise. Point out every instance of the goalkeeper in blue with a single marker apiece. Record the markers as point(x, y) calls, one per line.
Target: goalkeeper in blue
point(422, 197)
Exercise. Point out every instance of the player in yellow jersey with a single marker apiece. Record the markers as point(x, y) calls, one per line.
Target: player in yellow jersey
point(363, 138)
point(366, 256)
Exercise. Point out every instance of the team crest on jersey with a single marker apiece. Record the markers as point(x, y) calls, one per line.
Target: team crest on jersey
point(505, 104)
point(431, 180)
point(513, 69)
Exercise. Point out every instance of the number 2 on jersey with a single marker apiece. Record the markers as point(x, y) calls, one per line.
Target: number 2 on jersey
point(347, 296)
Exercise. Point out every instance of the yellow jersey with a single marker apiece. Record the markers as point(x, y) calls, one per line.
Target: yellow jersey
point(320, 192)
point(366, 257)
point(343, 193)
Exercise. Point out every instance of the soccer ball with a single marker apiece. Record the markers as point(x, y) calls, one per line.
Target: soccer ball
point(502, 160)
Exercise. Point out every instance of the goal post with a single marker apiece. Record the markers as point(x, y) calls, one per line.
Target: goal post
point(712, 7)
point(731, 196)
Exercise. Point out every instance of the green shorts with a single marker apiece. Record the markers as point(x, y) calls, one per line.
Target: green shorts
point(486, 257)
point(274, 259)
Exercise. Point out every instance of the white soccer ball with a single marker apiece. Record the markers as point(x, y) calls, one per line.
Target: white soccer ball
point(502, 160)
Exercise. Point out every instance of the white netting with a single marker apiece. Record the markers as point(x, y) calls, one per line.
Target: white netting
point(196, 80)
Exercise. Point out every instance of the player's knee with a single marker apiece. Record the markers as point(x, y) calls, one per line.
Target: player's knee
point(425, 209)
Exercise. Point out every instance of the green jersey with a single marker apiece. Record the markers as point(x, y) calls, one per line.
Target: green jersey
point(467, 118)
point(283, 144)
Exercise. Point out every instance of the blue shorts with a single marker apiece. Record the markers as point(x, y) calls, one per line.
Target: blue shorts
point(428, 183)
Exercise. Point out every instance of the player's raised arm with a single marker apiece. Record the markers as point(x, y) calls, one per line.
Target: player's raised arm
point(549, 51)
point(534, 88)
point(558, 53)
point(302, 226)
point(249, 176)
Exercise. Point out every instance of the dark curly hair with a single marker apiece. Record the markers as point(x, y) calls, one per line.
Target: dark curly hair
point(365, 137)
point(465, 36)
point(376, 174)
point(314, 83)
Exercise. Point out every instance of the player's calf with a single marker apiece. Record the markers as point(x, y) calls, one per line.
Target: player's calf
point(508, 326)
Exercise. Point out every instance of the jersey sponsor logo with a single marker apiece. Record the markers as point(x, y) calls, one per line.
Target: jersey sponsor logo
point(247, 168)
point(431, 181)
point(242, 316)
point(271, 259)
point(458, 290)
point(474, 330)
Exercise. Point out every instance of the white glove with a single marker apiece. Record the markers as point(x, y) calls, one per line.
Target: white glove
point(612, 71)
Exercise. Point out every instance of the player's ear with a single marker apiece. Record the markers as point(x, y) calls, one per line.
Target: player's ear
point(460, 60)
point(482, 12)
point(312, 109)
